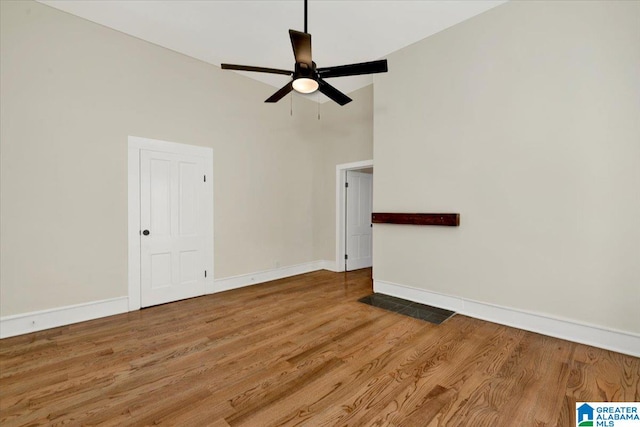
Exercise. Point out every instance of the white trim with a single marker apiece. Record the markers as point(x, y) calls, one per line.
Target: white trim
point(242, 280)
point(329, 265)
point(133, 185)
point(567, 329)
point(133, 232)
point(40, 320)
point(168, 147)
point(341, 178)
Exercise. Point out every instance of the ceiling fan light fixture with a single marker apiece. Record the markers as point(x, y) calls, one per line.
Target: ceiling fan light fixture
point(306, 77)
point(305, 85)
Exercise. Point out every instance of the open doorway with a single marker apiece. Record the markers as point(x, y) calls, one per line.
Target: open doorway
point(354, 192)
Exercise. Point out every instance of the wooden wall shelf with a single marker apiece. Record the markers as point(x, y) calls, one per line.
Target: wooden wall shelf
point(447, 219)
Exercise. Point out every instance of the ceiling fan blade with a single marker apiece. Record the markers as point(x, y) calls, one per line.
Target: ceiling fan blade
point(301, 43)
point(333, 93)
point(354, 69)
point(256, 69)
point(281, 93)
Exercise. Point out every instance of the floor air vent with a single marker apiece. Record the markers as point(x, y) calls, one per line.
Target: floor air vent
point(409, 308)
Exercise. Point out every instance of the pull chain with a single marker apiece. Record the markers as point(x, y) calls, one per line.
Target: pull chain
point(291, 105)
point(318, 101)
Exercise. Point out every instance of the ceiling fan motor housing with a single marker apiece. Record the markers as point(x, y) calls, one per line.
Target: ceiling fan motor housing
point(303, 70)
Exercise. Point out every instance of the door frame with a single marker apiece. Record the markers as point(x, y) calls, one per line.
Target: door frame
point(135, 145)
point(341, 209)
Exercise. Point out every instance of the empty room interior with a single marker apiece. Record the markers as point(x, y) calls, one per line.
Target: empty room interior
point(442, 228)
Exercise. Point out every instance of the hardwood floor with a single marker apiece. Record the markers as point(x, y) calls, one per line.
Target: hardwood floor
point(301, 351)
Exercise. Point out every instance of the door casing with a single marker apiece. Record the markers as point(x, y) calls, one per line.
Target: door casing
point(135, 145)
point(341, 179)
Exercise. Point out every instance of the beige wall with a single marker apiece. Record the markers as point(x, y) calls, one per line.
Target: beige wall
point(344, 138)
point(72, 91)
point(526, 121)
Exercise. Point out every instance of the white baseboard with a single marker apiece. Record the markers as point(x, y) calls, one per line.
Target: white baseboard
point(593, 335)
point(46, 319)
point(329, 265)
point(240, 281)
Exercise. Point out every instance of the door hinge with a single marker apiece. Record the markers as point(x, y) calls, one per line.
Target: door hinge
point(346, 256)
point(205, 273)
point(205, 178)
point(346, 185)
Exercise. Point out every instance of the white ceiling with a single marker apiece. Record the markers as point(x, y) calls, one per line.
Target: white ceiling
point(256, 32)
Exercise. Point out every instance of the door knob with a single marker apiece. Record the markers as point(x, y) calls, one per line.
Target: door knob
point(145, 232)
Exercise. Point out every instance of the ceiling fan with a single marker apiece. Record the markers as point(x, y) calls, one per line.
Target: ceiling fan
point(306, 77)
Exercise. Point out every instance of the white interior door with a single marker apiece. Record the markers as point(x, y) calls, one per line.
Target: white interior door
point(173, 205)
point(359, 196)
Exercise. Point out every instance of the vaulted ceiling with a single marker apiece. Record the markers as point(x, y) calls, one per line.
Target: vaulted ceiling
point(256, 32)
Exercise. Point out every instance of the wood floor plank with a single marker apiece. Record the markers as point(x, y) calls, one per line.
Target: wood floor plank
point(466, 371)
point(486, 398)
point(301, 351)
point(305, 403)
point(398, 365)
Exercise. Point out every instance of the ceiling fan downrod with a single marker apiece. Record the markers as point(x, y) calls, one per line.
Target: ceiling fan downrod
point(305, 17)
